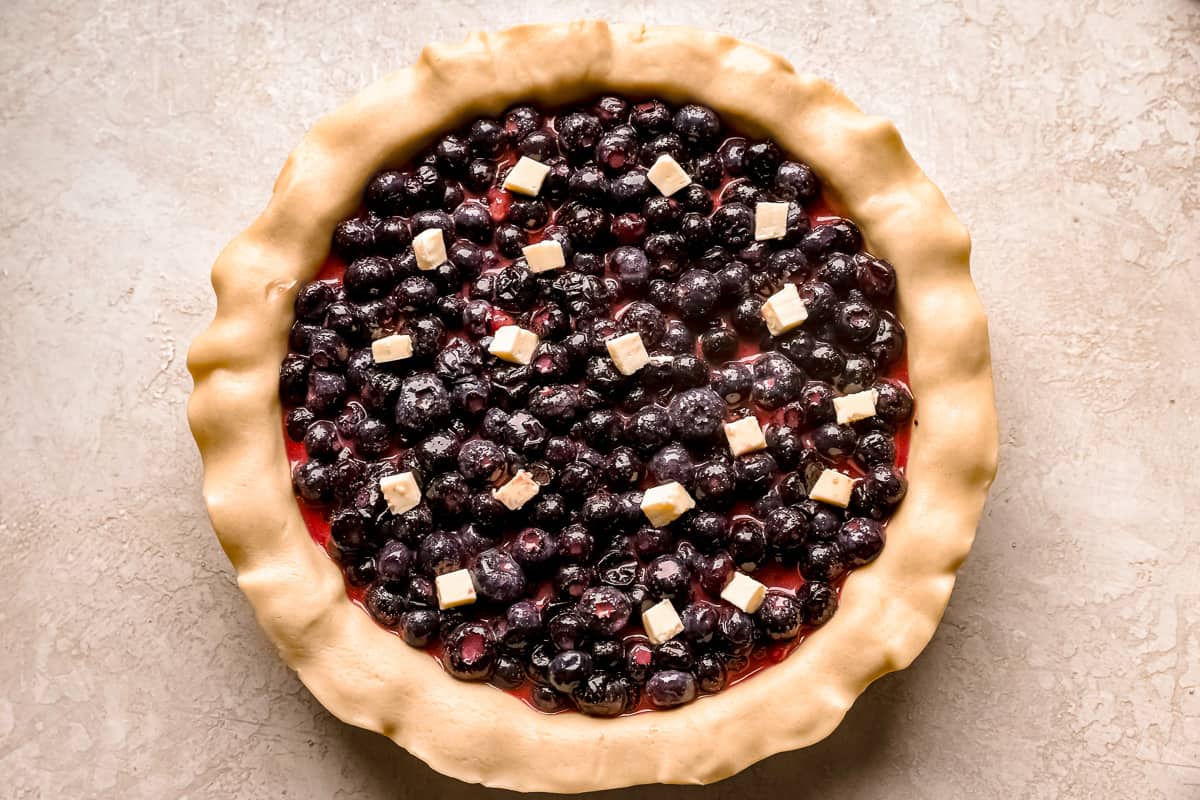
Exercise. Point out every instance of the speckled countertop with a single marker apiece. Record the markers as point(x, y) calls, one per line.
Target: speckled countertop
point(137, 138)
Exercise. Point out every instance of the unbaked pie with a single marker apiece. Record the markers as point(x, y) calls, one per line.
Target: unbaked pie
point(594, 378)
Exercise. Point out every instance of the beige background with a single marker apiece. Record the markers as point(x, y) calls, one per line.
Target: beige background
point(137, 138)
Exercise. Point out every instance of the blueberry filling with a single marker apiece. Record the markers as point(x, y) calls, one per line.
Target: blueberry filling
point(544, 597)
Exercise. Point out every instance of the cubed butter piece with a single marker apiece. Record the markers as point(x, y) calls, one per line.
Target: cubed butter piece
point(661, 622)
point(770, 221)
point(833, 487)
point(544, 256)
point(745, 436)
point(520, 489)
point(455, 589)
point(526, 176)
point(853, 407)
point(514, 344)
point(391, 348)
point(744, 592)
point(666, 503)
point(667, 176)
point(784, 310)
point(429, 246)
point(628, 353)
point(400, 491)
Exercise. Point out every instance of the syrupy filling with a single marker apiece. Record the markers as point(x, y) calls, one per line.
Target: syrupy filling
point(630, 573)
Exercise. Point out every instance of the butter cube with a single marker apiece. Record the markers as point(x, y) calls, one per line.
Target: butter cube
point(401, 492)
point(392, 348)
point(667, 176)
point(833, 487)
point(520, 489)
point(526, 176)
point(544, 256)
point(661, 622)
point(770, 221)
point(784, 310)
point(455, 589)
point(430, 248)
point(666, 503)
point(628, 353)
point(853, 407)
point(744, 592)
point(514, 344)
point(745, 436)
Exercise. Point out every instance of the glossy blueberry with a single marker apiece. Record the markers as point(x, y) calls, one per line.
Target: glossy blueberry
point(781, 616)
point(606, 609)
point(669, 577)
point(893, 402)
point(385, 604)
point(747, 543)
point(470, 652)
point(697, 414)
point(715, 484)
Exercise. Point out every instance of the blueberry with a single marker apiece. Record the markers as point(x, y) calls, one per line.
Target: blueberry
point(394, 561)
point(819, 299)
point(761, 160)
point(650, 117)
point(577, 133)
point(715, 485)
point(838, 236)
point(560, 451)
point(385, 604)
point(650, 542)
point(715, 571)
point(606, 610)
point(735, 632)
point(294, 379)
point(569, 669)
point(875, 447)
point(534, 548)
point(448, 494)
point(747, 543)
point(825, 362)
point(696, 294)
point(599, 510)
point(568, 630)
point(482, 461)
point(888, 343)
point(698, 126)
point(422, 402)
point(623, 469)
point(787, 530)
point(521, 625)
point(747, 318)
point(719, 344)
point(321, 441)
point(630, 189)
point(893, 402)
point(688, 371)
point(368, 278)
point(546, 699)
point(555, 405)
point(818, 601)
point(353, 238)
point(602, 695)
point(297, 422)
point(673, 463)
point(419, 626)
point(575, 544)
point(669, 577)
point(796, 181)
point(498, 577)
point(833, 441)
point(326, 392)
point(858, 373)
point(860, 540)
point(649, 428)
point(699, 622)
point(664, 144)
point(781, 616)
point(822, 561)
point(525, 434)
point(470, 652)
point(755, 472)
point(777, 381)
point(855, 321)
point(697, 414)
point(617, 149)
point(883, 485)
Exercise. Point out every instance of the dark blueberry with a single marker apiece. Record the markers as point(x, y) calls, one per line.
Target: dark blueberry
point(533, 548)
point(508, 673)
point(666, 252)
point(664, 144)
point(537, 665)
point(777, 381)
point(874, 448)
point(349, 530)
point(818, 601)
point(689, 371)
point(708, 529)
point(509, 241)
point(617, 149)
point(321, 441)
point(839, 236)
point(419, 626)
point(787, 263)
point(448, 494)
point(297, 422)
point(661, 293)
point(699, 622)
point(498, 577)
point(630, 189)
point(695, 199)
point(611, 111)
point(755, 472)
point(678, 339)
point(781, 616)
point(386, 194)
point(719, 344)
point(607, 653)
point(814, 406)
point(326, 392)
point(855, 321)
point(603, 429)
point(893, 402)
point(514, 288)
point(819, 299)
point(452, 153)
point(521, 121)
point(560, 451)
point(617, 569)
point(421, 592)
point(353, 238)
point(361, 571)
point(480, 174)
point(673, 463)
point(733, 382)
point(697, 414)
point(628, 228)
point(747, 318)
point(715, 571)
point(440, 552)
point(586, 225)
point(470, 652)
point(857, 374)
point(368, 278)
point(787, 530)
point(715, 485)
point(767, 503)
point(650, 117)
point(556, 405)
point(528, 213)
point(393, 236)
point(735, 631)
point(697, 126)
point(485, 137)
point(833, 441)
point(822, 561)
point(603, 695)
point(470, 396)
point(696, 294)
point(888, 344)
point(662, 214)
point(293, 379)
point(797, 345)
point(649, 428)
point(482, 461)
point(577, 133)
point(521, 625)
point(301, 333)
point(472, 220)
point(741, 191)
point(422, 402)
point(796, 181)
point(372, 437)
point(550, 510)
point(650, 542)
point(710, 673)
point(761, 161)
point(669, 577)
point(732, 154)
point(747, 543)
point(575, 543)
point(385, 604)
point(452, 196)
point(599, 510)
point(458, 359)
point(605, 609)
point(569, 669)
point(589, 185)
point(568, 630)
point(394, 561)
point(860, 540)
point(875, 277)
point(825, 362)
point(546, 700)
point(577, 480)
point(538, 145)
point(632, 268)
point(883, 485)
point(623, 469)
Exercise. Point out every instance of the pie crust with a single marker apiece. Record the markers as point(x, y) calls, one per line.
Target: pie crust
point(369, 677)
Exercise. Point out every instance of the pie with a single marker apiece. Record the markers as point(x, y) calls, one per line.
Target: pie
point(620, 373)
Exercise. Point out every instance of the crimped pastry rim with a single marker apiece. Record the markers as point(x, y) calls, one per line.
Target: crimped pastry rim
point(369, 677)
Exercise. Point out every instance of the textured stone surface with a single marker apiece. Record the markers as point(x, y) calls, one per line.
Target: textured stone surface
point(138, 138)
